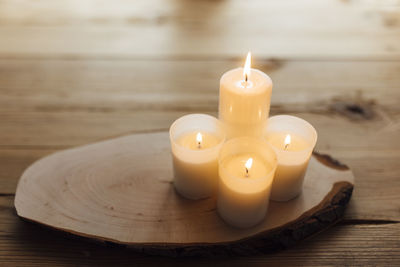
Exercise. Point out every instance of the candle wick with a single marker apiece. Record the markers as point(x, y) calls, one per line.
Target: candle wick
point(247, 172)
point(286, 146)
point(199, 145)
point(245, 77)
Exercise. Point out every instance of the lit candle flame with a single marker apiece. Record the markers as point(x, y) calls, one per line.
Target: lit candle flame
point(248, 165)
point(288, 139)
point(247, 67)
point(199, 139)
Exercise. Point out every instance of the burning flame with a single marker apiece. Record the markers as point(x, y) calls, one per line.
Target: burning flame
point(247, 67)
point(288, 139)
point(248, 165)
point(199, 139)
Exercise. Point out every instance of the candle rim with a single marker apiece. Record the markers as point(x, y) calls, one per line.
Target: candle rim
point(220, 141)
point(263, 145)
point(267, 82)
point(248, 179)
point(289, 119)
point(308, 148)
point(221, 137)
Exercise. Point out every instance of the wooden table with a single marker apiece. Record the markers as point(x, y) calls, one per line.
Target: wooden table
point(75, 72)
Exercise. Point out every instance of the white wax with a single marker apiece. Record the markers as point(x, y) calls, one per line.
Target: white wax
point(196, 165)
point(244, 106)
point(292, 159)
point(243, 196)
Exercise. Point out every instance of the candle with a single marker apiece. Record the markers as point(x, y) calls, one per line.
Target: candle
point(246, 170)
point(293, 140)
point(195, 142)
point(244, 101)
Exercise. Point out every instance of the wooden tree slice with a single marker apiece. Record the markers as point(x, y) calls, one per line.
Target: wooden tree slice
point(121, 191)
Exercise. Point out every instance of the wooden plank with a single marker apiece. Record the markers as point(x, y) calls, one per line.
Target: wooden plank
point(75, 102)
point(377, 184)
point(23, 243)
point(156, 28)
point(12, 164)
point(131, 85)
point(50, 105)
point(77, 128)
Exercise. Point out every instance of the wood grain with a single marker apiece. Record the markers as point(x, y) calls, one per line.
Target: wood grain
point(77, 112)
point(85, 109)
point(67, 76)
point(91, 100)
point(122, 86)
point(120, 190)
point(332, 28)
point(13, 162)
point(352, 244)
point(379, 184)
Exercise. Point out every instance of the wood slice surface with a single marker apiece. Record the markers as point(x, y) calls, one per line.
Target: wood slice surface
point(121, 191)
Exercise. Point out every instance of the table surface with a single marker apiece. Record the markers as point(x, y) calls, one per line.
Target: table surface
point(75, 72)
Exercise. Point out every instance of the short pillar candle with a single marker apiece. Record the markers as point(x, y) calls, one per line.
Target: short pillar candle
point(196, 140)
point(293, 140)
point(244, 101)
point(246, 169)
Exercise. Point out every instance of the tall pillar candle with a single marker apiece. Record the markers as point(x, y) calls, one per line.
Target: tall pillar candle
point(246, 169)
point(293, 140)
point(196, 140)
point(244, 101)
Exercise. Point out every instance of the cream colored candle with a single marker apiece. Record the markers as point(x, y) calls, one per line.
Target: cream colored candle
point(293, 140)
point(195, 141)
point(246, 169)
point(244, 101)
